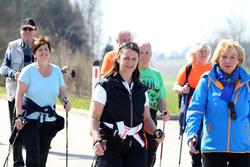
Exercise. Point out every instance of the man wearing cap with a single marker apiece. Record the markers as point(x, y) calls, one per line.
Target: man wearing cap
point(17, 56)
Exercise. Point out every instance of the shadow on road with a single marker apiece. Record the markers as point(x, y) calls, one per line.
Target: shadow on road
point(72, 156)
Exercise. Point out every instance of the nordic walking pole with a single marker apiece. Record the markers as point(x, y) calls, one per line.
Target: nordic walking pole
point(12, 145)
point(65, 102)
point(12, 121)
point(183, 125)
point(165, 112)
point(7, 158)
point(162, 144)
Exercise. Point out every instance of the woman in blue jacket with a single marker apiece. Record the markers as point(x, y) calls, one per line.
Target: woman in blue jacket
point(222, 100)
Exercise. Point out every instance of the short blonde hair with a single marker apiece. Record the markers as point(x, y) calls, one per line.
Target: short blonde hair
point(191, 53)
point(234, 47)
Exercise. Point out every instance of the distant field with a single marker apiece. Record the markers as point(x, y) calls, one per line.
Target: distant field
point(169, 66)
point(169, 70)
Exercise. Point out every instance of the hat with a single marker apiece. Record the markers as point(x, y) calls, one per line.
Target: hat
point(28, 22)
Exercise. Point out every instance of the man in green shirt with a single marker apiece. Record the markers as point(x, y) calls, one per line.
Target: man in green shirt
point(156, 92)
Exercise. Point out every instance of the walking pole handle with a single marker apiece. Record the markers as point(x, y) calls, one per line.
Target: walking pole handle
point(65, 100)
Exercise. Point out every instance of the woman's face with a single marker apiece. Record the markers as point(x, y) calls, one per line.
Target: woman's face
point(228, 62)
point(42, 53)
point(128, 61)
point(201, 56)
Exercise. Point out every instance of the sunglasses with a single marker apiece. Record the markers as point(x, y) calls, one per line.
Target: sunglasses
point(130, 45)
point(27, 28)
point(233, 112)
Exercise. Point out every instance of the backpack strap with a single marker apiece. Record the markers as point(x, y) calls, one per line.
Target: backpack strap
point(188, 69)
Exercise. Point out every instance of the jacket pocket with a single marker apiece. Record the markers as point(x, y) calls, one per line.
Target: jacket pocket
point(11, 85)
point(208, 129)
point(17, 64)
point(247, 133)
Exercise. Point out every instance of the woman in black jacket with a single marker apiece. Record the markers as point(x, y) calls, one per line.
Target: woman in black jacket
point(120, 113)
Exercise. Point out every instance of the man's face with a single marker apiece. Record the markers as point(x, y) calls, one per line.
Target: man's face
point(145, 54)
point(124, 37)
point(27, 33)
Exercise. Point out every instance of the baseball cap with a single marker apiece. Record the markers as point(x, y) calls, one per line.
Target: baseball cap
point(28, 22)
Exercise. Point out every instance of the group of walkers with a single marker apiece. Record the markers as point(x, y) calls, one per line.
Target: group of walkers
point(215, 103)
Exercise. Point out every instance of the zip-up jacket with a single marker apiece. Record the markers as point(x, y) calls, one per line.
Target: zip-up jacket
point(15, 55)
point(220, 133)
point(122, 106)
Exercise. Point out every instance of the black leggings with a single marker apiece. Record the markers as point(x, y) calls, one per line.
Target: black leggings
point(112, 158)
point(226, 159)
point(36, 142)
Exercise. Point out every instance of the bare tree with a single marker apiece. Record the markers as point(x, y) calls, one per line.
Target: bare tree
point(236, 26)
point(92, 17)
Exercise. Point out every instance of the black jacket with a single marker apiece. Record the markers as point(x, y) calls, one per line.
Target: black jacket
point(121, 106)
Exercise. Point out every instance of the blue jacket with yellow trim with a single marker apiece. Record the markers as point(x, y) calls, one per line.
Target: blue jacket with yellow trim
point(220, 133)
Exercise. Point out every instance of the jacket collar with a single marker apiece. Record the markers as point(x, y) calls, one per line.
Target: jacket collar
point(244, 77)
point(118, 78)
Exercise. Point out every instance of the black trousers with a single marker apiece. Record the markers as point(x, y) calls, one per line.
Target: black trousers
point(118, 158)
point(152, 143)
point(17, 150)
point(226, 159)
point(36, 142)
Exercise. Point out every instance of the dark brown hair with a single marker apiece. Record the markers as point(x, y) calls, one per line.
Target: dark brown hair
point(115, 68)
point(42, 40)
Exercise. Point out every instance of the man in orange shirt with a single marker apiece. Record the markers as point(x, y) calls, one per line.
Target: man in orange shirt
point(123, 36)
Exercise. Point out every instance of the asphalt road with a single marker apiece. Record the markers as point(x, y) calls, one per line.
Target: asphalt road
point(80, 142)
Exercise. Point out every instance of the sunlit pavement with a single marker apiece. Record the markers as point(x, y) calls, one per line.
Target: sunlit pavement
point(80, 152)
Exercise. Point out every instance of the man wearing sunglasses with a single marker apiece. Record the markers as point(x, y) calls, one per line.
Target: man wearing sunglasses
point(17, 56)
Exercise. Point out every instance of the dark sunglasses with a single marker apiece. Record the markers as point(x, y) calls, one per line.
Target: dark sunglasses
point(233, 112)
point(130, 45)
point(27, 28)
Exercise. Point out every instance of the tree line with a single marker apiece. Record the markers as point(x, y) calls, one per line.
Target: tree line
point(74, 30)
